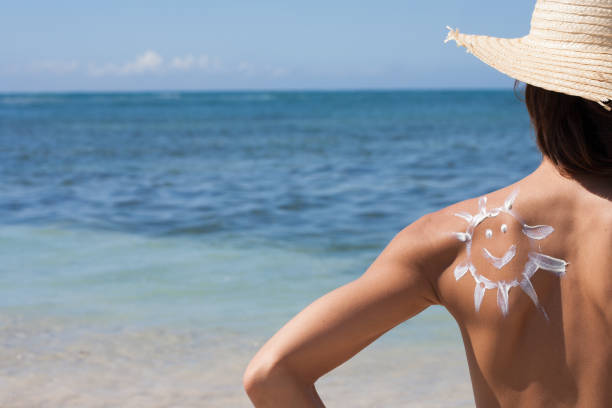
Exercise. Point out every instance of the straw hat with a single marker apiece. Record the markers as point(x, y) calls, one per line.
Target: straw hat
point(567, 50)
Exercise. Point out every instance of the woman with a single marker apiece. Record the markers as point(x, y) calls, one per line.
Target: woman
point(526, 271)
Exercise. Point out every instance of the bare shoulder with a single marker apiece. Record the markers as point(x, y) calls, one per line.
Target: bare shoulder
point(428, 247)
point(432, 245)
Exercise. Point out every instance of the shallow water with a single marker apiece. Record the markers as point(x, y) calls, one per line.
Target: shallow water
point(151, 242)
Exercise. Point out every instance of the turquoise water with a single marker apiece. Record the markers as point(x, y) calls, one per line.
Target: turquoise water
point(174, 232)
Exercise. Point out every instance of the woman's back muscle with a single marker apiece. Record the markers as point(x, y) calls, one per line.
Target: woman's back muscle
point(548, 342)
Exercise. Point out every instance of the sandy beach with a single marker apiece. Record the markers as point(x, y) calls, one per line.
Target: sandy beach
point(50, 364)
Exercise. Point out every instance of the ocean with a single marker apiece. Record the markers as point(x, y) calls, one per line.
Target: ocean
point(151, 242)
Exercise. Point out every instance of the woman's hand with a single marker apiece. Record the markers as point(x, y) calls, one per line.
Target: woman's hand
point(399, 284)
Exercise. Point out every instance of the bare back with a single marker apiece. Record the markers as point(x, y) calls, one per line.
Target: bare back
point(553, 347)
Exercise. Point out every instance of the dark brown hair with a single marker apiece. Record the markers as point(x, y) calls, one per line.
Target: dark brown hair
point(574, 133)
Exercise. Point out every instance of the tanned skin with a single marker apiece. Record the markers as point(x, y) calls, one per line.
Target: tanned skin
point(521, 360)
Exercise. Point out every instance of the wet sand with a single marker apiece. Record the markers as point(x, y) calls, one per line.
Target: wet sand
point(51, 364)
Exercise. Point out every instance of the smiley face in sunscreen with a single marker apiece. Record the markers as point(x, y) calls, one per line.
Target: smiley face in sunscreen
point(534, 261)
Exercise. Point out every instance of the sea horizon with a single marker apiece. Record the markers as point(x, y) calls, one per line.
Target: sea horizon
point(249, 90)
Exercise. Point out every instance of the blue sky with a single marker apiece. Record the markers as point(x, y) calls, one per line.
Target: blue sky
point(256, 44)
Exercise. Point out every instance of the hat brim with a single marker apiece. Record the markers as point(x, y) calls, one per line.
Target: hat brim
point(565, 69)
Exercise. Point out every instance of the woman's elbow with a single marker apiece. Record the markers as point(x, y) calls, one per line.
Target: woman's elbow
point(263, 374)
point(255, 378)
point(269, 382)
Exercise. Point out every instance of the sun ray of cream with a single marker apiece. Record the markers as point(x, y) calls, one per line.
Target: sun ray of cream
point(548, 263)
point(482, 204)
point(479, 292)
point(502, 296)
point(464, 215)
point(529, 290)
point(460, 270)
point(537, 231)
point(530, 269)
point(463, 236)
point(510, 200)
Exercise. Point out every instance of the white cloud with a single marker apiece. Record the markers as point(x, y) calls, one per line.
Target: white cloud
point(203, 62)
point(152, 62)
point(149, 61)
point(183, 63)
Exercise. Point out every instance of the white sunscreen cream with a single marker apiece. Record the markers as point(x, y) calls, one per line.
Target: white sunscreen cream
point(535, 260)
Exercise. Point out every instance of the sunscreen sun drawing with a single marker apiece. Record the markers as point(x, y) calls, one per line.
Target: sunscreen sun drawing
point(535, 260)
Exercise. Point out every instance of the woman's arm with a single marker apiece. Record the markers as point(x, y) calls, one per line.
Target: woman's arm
point(399, 284)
